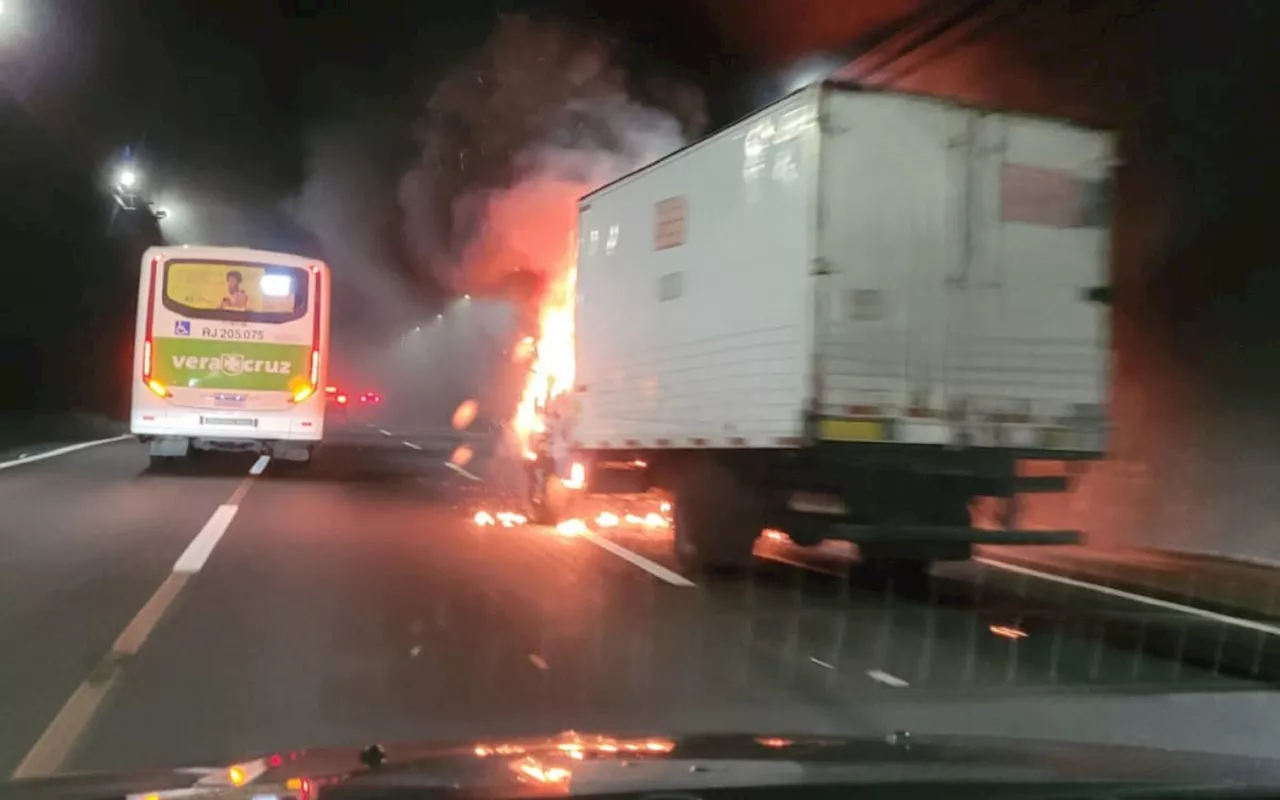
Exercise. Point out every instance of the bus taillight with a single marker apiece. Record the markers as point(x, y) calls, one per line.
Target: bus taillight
point(151, 384)
point(310, 388)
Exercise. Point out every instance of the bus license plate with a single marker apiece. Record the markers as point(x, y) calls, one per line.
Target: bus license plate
point(244, 422)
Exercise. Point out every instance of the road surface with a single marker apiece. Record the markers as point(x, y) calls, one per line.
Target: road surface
point(239, 607)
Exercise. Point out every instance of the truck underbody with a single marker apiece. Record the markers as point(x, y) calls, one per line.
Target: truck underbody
point(903, 507)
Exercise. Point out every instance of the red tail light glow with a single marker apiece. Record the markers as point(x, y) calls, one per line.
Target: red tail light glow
point(313, 377)
point(148, 355)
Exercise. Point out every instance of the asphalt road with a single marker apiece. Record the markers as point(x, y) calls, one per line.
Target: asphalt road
point(357, 601)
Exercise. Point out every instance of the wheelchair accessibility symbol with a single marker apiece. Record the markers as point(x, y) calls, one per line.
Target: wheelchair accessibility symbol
point(182, 327)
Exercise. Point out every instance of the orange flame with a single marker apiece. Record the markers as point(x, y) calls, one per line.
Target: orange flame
point(552, 369)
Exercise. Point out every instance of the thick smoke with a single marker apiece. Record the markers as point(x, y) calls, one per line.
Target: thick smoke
point(346, 203)
point(538, 116)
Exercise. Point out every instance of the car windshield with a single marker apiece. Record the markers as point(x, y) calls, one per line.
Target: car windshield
point(619, 373)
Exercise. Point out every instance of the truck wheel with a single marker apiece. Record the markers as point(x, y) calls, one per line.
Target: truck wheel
point(544, 495)
point(717, 521)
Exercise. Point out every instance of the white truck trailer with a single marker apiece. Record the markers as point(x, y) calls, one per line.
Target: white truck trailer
point(844, 317)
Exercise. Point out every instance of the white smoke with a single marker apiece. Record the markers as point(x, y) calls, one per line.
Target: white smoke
point(540, 115)
point(345, 204)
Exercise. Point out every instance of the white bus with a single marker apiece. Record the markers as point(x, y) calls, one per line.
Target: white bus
point(230, 353)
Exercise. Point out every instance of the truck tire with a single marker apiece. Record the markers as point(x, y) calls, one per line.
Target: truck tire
point(716, 519)
point(544, 496)
point(906, 567)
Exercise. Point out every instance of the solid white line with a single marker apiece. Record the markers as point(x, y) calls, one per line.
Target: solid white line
point(881, 676)
point(193, 558)
point(463, 472)
point(411, 445)
point(71, 448)
point(821, 663)
point(384, 432)
point(1261, 627)
point(260, 465)
point(654, 569)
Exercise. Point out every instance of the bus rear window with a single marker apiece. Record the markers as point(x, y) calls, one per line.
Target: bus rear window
point(235, 292)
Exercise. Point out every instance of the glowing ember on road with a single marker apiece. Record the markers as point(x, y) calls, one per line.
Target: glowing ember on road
point(571, 527)
point(507, 519)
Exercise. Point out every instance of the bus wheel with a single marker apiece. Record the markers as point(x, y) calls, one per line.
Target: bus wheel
point(293, 456)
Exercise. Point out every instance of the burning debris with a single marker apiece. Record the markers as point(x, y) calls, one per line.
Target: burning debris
point(648, 523)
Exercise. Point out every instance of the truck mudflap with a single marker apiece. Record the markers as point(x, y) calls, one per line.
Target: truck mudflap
point(901, 534)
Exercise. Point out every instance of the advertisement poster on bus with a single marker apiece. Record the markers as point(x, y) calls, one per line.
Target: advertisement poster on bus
point(231, 287)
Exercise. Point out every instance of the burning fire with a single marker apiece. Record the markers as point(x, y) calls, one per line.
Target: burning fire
point(652, 521)
point(551, 373)
point(507, 519)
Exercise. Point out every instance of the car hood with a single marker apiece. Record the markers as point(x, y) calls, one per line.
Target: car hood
point(583, 764)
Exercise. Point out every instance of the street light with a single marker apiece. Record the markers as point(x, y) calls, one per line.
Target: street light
point(126, 178)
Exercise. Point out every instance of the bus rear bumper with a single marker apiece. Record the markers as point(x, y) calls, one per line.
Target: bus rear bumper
point(181, 446)
point(225, 430)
